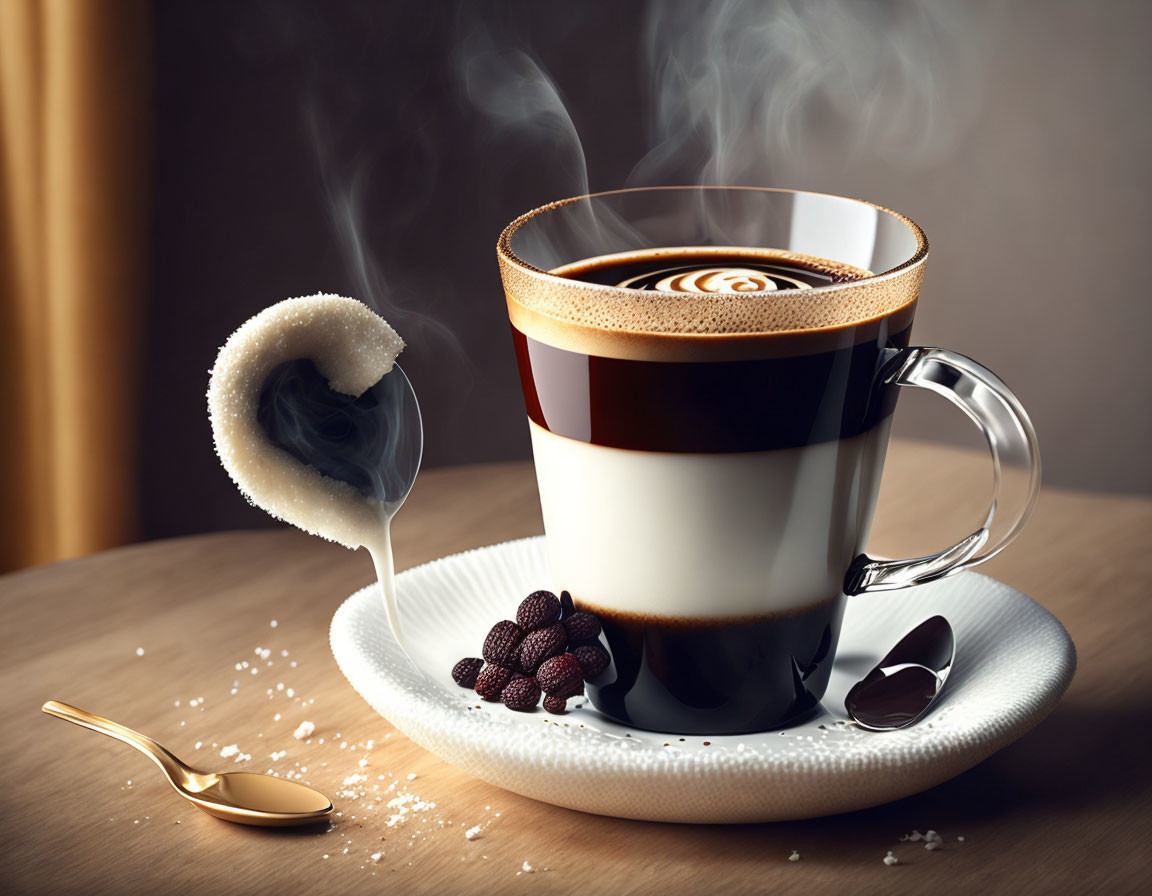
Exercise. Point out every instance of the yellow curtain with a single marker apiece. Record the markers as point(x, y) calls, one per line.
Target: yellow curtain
point(74, 176)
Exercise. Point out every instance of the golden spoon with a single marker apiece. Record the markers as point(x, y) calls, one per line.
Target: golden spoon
point(242, 797)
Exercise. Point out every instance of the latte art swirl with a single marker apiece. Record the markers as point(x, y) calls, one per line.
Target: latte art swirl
point(715, 280)
point(697, 282)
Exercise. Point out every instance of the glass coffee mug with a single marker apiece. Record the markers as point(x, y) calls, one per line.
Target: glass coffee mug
point(710, 375)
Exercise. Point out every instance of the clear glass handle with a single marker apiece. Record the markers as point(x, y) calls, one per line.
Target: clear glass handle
point(982, 395)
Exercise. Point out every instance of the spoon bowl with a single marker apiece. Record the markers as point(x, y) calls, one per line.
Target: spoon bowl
point(241, 797)
point(903, 686)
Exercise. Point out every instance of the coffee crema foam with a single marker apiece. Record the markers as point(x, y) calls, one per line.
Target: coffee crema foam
point(715, 303)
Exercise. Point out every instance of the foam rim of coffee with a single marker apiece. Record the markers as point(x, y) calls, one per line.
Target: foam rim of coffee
point(615, 321)
point(352, 347)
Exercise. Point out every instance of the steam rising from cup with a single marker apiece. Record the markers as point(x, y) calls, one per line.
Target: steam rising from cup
point(317, 425)
point(518, 99)
point(751, 92)
point(747, 91)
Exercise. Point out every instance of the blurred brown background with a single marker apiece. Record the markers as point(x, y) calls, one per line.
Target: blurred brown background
point(171, 168)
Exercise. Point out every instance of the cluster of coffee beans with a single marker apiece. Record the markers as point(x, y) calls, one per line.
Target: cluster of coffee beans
point(551, 648)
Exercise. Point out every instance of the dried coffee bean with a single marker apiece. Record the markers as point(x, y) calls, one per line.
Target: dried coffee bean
point(560, 676)
point(464, 672)
point(577, 690)
point(593, 659)
point(492, 680)
point(557, 705)
point(582, 627)
point(502, 643)
point(539, 646)
point(521, 695)
point(538, 610)
point(567, 607)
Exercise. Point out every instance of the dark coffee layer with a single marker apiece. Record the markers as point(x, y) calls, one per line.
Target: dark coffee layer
point(687, 676)
point(790, 399)
point(707, 406)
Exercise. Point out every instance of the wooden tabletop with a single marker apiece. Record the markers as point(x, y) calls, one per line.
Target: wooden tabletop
point(1065, 809)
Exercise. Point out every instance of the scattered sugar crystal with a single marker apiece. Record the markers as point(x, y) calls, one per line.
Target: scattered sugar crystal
point(176, 704)
point(290, 692)
point(279, 685)
point(199, 743)
point(526, 868)
point(890, 859)
point(229, 751)
point(932, 844)
point(354, 779)
point(795, 857)
point(961, 839)
point(305, 729)
point(377, 856)
point(473, 832)
point(276, 718)
point(363, 762)
point(411, 776)
point(273, 623)
point(139, 651)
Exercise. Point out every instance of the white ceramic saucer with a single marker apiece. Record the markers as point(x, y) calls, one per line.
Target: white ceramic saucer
point(1013, 661)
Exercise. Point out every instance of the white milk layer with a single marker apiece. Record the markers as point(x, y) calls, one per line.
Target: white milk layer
point(706, 535)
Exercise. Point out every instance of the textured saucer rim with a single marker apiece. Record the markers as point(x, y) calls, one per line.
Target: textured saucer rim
point(743, 778)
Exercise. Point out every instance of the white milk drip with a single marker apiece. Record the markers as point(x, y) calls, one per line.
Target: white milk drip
point(380, 549)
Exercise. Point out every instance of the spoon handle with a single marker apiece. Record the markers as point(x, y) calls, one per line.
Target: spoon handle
point(176, 770)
